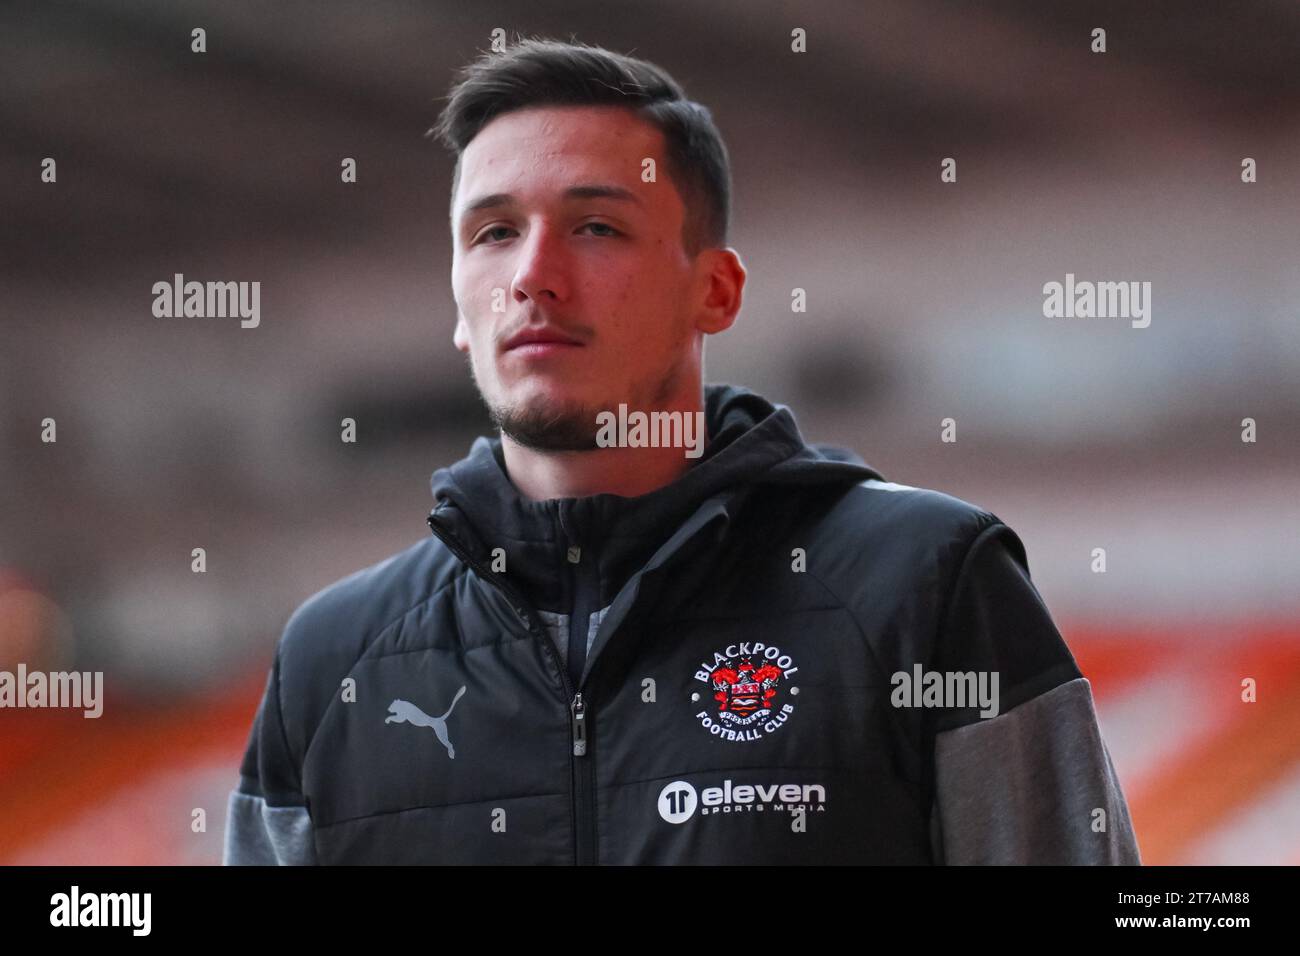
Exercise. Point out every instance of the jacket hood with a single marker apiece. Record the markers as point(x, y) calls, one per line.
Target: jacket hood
point(750, 442)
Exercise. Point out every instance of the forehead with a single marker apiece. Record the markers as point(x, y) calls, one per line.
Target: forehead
point(555, 144)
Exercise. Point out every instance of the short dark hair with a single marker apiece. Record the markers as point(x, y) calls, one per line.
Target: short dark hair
point(538, 71)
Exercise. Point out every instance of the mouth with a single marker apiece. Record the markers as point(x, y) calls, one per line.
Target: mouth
point(539, 342)
point(542, 350)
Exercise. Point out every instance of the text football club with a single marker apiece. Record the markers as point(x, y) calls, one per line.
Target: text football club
point(749, 691)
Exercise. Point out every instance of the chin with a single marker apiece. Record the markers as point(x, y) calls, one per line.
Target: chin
point(548, 419)
point(550, 395)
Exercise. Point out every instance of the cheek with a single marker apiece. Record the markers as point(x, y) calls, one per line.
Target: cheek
point(465, 292)
point(650, 311)
point(472, 279)
point(474, 302)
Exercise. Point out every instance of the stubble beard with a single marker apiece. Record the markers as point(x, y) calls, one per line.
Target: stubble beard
point(571, 426)
point(544, 426)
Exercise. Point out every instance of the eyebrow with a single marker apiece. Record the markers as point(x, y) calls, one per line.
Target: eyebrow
point(584, 191)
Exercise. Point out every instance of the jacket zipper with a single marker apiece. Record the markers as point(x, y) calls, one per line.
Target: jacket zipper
point(583, 603)
point(584, 811)
point(579, 718)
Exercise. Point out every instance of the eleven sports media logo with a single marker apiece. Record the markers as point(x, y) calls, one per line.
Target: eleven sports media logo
point(747, 681)
point(679, 800)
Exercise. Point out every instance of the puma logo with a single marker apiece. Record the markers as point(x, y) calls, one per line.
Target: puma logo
point(404, 712)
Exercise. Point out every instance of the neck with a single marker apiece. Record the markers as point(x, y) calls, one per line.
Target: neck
point(629, 472)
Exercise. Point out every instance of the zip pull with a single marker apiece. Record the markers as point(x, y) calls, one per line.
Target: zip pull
point(579, 726)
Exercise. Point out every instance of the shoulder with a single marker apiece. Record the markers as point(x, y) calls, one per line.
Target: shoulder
point(894, 553)
point(909, 523)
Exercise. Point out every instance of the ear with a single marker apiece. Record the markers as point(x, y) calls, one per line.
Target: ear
point(724, 281)
point(460, 338)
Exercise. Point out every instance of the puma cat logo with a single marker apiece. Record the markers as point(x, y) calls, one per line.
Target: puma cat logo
point(404, 712)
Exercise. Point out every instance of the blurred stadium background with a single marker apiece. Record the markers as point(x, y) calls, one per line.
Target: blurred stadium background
point(924, 302)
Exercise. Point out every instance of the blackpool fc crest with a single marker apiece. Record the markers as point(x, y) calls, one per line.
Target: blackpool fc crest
point(749, 693)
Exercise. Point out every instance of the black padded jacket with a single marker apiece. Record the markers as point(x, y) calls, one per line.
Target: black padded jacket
point(781, 657)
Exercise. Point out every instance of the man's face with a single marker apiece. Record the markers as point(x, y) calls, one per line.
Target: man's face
point(599, 287)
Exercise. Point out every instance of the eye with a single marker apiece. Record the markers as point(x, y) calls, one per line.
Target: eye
point(488, 232)
point(484, 237)
point(602, 225)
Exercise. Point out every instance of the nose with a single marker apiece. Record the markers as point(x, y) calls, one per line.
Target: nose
point(541, 271)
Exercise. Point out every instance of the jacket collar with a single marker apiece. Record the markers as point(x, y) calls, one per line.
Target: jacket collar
point(750, 442)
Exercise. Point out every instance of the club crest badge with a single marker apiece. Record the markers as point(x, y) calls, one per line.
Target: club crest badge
point(748, 693)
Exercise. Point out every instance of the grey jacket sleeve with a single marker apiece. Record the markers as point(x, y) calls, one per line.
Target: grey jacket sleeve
point(268, 822)
point(1031, 782)
point(1034, 785)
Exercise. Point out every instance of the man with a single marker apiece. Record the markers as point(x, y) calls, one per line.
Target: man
point(655, 644)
